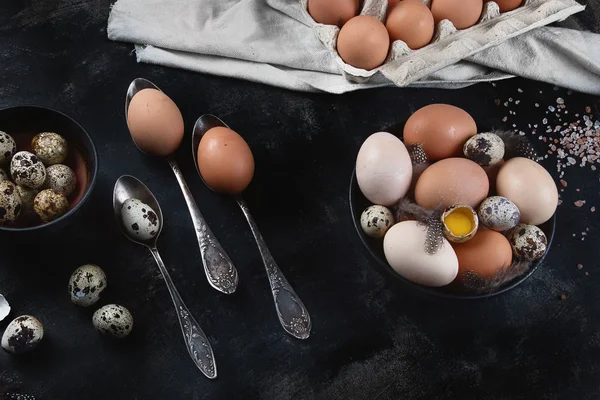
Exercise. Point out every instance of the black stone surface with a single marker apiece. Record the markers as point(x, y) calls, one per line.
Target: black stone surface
point(371, 338)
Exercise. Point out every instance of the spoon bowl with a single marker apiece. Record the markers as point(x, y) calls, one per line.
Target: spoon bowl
point(196, 342)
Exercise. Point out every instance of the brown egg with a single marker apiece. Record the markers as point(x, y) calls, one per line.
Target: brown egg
point(225, 161)
point(363, 42)
point(155, 123)
point(528, 185)
point(462, 13)
point(452, 181)
point(441, 129)
point(332, 12)
point(412, 22)
point(487, 253)
point(508, 5)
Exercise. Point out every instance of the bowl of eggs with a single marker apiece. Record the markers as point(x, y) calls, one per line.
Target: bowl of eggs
point(48, 167)
point(452, 211)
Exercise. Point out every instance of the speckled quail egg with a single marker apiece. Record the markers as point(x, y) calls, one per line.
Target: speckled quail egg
point(499, 213)
point(8, 147)
point(86, 284)
point(60, 178)
point(27, 170)
point(113, 320)
point(528, 242)
point(140, 220)
point(10, 202)
point(23, 334)
point(27, 197)
point(50, 205)
point(485, 149)
point(3, 175)
point(50, 147)
point(376, 221)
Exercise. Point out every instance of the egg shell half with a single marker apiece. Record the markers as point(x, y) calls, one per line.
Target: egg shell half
point(527, 184)
point(155, 122)
point(452, 181)
point(383, 169)
point(404, 247)
point(487, 253)
point(441, 129)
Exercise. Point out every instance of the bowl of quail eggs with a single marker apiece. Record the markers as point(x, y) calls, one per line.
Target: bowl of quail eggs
point(48, 167)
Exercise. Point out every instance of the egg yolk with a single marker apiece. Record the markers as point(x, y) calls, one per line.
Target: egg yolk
point(459, 222)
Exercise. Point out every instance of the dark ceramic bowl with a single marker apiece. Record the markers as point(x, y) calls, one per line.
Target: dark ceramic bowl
point(358, 203)
point(24, 122)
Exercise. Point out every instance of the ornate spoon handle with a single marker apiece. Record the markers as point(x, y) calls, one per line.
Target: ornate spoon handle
point(292, 314)
point(219, 269)
point(196, 342)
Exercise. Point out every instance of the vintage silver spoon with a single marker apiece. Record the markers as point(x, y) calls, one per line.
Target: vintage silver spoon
point(219, 269)
point(292, 314)
point(196, 342)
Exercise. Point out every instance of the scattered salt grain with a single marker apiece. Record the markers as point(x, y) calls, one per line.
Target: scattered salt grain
point(560, 100)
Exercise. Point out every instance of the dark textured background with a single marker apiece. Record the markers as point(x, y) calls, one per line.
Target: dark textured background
point(371, 338)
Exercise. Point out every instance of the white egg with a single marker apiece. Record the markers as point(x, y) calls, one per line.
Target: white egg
point(383, 169)
point(140, 220)
point(23, 334)
point(376, 220)
point(113, 320)
point(86, 284)
point(404, 247)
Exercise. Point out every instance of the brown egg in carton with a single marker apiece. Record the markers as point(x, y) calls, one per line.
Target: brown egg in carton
point(449, 45)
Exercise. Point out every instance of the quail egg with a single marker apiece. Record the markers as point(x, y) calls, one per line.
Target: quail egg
point(27, 197)
point(485, 149)
point(140, 220)
point(50, 205)
point(528, 242)
point(23, 334)
point(8, 147)
point(3, 175)
point(10, 202)
point(27, 170)
point(459, 223)
point(50, 147)
point(60, 178)
point(86, 284)
point(499, 213)
point(376, 221)
point(113, 320)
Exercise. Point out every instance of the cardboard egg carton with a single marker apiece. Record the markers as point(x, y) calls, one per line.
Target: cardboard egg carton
point(449, 45)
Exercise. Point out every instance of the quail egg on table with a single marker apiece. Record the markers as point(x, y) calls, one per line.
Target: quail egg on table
point(60, 178)
point(10, 202)
point(23, 334)
point(50, 147)
point(528, 242)
point(140, 220)
point(86, 284)
point(50, 205)
point(485, 149)
point(376, 221)
point(113, 320)
point(26, 169)
point(27, 197)
point(8, 147)
point(499, 213)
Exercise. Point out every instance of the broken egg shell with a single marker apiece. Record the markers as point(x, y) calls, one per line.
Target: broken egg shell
point(23, 334)
point(4, 308)
point(469, 213)
point(376, 221)
point(86, 284)
point(528, 242)
point(113, 320)
point(140, 220)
